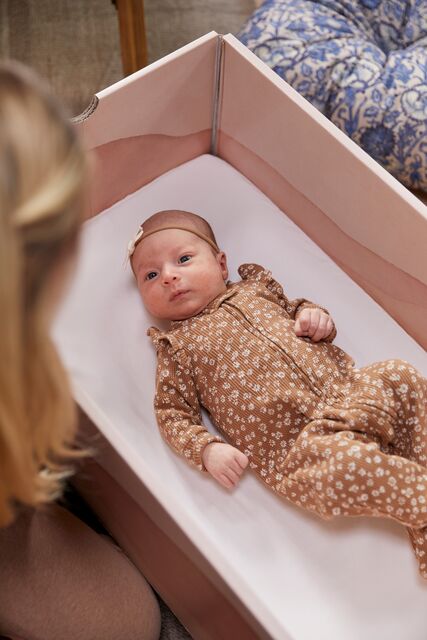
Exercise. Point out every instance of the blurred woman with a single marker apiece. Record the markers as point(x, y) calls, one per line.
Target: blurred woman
point(59, 580)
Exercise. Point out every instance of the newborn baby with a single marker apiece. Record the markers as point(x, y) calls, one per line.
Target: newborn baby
point(331, 438)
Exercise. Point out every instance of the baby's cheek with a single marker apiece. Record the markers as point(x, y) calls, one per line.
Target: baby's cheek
point(148, 299)
point(142, 294)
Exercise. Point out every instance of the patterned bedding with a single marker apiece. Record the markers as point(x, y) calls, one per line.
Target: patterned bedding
point(363, 63)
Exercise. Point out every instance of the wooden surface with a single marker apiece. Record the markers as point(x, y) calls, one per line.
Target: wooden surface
point(133, 40)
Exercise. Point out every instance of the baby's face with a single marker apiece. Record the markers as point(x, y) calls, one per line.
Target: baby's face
point(178, 274)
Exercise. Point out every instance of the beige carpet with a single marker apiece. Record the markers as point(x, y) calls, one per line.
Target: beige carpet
point(75, 43)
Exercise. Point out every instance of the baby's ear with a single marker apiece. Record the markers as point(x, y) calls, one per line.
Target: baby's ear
point(222, 261)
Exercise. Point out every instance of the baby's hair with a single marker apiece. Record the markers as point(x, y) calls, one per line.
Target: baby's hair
point(180, 218)
point(42, 184)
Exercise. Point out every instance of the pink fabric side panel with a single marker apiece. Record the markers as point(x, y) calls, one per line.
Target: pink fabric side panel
point(172, 96)
point(122, 166)
point(401, 295)
point(151, 121)
point(262, 113)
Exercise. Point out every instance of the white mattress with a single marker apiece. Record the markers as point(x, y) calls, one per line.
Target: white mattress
point(303, 578)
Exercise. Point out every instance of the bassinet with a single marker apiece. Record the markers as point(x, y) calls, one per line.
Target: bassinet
point(211, 129)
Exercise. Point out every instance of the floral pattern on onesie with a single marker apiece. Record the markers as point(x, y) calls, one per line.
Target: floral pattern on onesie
point(331, 438)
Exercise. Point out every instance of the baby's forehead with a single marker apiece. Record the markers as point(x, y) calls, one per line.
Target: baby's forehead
point(163, 242)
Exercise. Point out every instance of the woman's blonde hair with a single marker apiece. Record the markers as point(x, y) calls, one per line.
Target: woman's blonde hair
point(42, 184)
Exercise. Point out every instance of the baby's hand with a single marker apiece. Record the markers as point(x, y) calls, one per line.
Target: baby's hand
point(225, 463)
point(314, 324)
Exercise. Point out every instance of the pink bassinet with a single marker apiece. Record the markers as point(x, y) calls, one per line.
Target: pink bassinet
point(211, 129)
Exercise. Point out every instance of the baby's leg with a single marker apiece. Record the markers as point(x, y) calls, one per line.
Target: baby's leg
point(410, 439)
point(406, 391)
point(366, 455)
point(335, 471)
point(399, 390)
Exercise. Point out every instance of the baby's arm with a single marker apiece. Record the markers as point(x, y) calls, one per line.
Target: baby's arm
point(311, 320)
point(180, 423)
point(225, 463)
point(178, 410)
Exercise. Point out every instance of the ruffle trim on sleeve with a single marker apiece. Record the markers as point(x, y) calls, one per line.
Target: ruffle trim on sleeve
point(166, 340)
point(253, 271)
point(157, 337)
point(162, 338)
point(258, 274)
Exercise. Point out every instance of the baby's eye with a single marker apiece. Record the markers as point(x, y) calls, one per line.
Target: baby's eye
point(150, 275)
point(184, 259)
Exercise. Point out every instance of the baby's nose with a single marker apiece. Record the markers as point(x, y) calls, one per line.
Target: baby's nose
point(169, 277)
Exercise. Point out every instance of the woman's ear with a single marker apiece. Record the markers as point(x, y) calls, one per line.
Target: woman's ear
point(222, 261)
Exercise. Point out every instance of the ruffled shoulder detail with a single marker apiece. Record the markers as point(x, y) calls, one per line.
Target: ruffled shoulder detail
point(258, 274)
point(164, 339)
point(253, 271)
point(168, 343)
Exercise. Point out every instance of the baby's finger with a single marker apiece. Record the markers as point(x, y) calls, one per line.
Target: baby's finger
point(232, 475)
point(241, 459)
point(321, 330)
point(235, 466)
point(302, 323)
point(304, 320)
point(224, 481)
point(314, 322)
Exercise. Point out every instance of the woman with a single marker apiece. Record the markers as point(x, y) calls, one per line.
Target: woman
point(58, 578)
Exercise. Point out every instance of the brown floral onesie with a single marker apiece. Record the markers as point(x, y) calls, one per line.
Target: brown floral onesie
point(329, 437)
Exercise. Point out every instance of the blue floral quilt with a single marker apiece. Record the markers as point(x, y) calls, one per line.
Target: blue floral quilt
point(363, 63)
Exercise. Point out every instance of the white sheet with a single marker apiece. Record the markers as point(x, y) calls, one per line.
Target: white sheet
point(303, 578)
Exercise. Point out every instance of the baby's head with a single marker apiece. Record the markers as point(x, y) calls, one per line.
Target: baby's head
point(177, 264)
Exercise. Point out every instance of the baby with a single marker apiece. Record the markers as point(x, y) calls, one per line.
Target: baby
point(331, 438)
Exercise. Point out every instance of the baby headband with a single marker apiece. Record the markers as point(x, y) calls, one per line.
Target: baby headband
point(141, 235)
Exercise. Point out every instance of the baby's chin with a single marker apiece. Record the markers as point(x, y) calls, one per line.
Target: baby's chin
point(173, 316)
point(187, 306)
point(184, 316)
point(181, 314)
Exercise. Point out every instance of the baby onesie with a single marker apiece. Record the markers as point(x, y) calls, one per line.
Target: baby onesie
point(327, 436)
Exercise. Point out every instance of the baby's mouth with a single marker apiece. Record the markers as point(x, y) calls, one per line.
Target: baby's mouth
point(177, 294)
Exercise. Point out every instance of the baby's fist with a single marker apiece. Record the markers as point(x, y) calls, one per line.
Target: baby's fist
point(314, 324)
point(225, 463)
